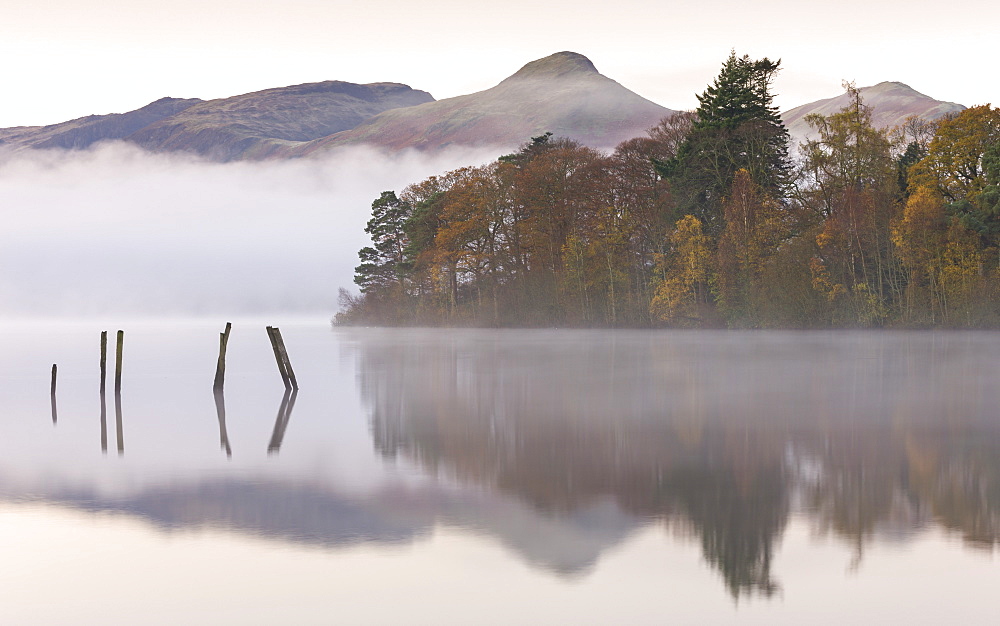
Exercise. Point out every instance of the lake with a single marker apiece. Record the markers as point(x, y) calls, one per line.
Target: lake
point(431, 476)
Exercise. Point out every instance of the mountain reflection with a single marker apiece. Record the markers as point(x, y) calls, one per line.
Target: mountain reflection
point(722, 435)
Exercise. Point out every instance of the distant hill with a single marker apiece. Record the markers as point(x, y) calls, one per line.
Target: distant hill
point(251, 125)
point(562, 93)
point(891, 104)
point(85, 131)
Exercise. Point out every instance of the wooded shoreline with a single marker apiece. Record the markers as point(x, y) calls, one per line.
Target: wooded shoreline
point(707, 222)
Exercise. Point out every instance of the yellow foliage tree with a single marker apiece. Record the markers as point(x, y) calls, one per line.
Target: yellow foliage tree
point(682, 288)
point(953, 166)
point(918, 237)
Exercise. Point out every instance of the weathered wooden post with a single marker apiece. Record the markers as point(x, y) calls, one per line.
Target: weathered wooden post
point(220, 368)
point(52, 394)
point(272, 334)
point(104, 358)
point(118, 362)
point(104, 404)
point(118, 392)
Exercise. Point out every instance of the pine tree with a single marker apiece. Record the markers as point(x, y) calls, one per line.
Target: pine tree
point(383, 263)
point(738, 127)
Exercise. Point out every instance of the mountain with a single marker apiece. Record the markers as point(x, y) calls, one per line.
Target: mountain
point(562, 93)
point(891, 104)
point(252, 125)
point(84, 131)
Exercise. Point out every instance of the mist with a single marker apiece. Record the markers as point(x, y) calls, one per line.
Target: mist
point(115, 230)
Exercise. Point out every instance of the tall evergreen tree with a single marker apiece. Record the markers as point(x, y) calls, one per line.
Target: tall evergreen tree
point(738, 127)
point(383, 263)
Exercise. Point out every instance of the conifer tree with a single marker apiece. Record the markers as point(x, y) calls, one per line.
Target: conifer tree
point(382, 264)
point(737, 127)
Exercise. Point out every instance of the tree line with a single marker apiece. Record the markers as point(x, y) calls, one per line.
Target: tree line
point(708, 221)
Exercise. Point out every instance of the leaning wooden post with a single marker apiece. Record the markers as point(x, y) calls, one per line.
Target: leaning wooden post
point(284, 357)
point(220, 368)
point(52, 393)
point(272, 335)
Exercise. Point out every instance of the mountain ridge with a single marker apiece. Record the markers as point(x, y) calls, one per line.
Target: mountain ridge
point(563, 93)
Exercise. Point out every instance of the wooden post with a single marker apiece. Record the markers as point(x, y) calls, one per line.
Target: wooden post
point(284, 357)
point(104, 404)
point(118, 362)
point(52, 394)
point(220, 368)
point(118, 392)
point(104, 359)
point(272, 334)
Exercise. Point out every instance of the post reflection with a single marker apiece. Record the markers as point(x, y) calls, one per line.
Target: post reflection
point(118, 423)
point(220, 410)
point(723, 443)
point(104, 420)
point(281, 421)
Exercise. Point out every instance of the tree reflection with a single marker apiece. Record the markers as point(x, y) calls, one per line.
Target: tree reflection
point(722, 435)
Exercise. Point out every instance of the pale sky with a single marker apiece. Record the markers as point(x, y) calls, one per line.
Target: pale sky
point(67, 58)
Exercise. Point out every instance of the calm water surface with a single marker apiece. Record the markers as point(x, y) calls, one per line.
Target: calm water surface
point(498, 477)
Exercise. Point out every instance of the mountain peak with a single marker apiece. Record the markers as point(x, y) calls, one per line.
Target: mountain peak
point(890, 86)
point(557, 65)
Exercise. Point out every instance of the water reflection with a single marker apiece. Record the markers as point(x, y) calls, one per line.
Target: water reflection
point(561, 446)
point(723, 436)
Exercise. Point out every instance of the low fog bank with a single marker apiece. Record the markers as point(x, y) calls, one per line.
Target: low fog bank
point(115, 230)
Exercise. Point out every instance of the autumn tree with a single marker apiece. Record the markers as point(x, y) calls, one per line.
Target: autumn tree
point(848, 179)
point(956, 166)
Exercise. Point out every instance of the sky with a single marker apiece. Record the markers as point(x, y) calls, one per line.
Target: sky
point(114, 231)
point(68, 58)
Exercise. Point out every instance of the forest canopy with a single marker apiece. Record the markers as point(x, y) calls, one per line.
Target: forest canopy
point(705, 222)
